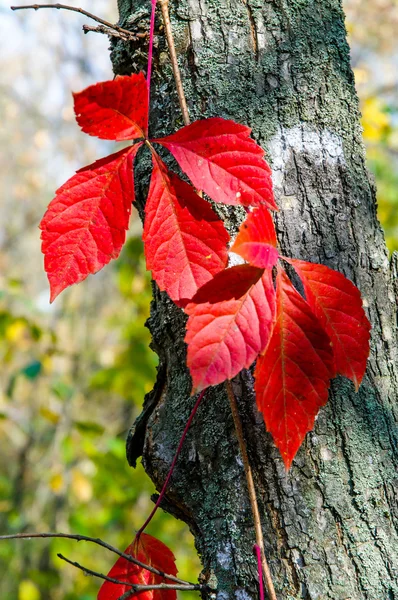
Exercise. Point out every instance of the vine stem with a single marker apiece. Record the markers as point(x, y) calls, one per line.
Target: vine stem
point(173, 464)
point(164, 5)
point(99, 542)
point(252, 491)
point(81, 11)
point(257, 551)
point(150, 50)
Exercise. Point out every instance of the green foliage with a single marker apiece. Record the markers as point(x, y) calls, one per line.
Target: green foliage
point(67, 399)
point(380, 123)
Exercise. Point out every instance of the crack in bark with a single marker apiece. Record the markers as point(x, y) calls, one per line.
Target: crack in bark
point(253, 28)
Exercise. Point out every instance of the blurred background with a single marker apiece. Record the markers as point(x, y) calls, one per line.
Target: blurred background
point(74, 374)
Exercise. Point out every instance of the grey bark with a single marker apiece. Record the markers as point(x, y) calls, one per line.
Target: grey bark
point(330, 524)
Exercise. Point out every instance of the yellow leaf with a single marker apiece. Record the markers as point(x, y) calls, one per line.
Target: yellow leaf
point(361, 75)
point(81, 486)
point(56, 483)
point(50, 415)
point(28, 591)
point(47, 363)
point(5, 505)
point(375, 120)
point(16, 332)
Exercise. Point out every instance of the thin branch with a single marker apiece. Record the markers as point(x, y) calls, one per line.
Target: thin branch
point(164, 5)
point(81, 11)
point(126, 595)
point(135, 588)
point(99, 542)
point(87, 571)
point(252, 491)
point(114, 33)
point(173, 464)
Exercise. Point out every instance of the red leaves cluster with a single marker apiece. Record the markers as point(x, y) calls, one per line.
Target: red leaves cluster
point(185, 241)
point(151, 552)
point(236, 314)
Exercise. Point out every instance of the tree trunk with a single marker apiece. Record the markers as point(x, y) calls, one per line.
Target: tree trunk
point(330, 524)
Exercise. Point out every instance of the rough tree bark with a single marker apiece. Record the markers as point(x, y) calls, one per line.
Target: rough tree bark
point(330, 524)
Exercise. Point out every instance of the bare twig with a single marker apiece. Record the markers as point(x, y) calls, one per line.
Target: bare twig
point(252, 491)
point(115, 33)
point(164, 5)
point(99, 542)
point(126, 595)
point(134, 587)
point(129, 35)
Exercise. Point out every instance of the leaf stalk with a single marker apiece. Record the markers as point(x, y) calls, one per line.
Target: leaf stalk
point(164, 5)
point(252, 491)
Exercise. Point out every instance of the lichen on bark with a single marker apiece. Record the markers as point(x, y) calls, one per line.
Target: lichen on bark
point(330, 524)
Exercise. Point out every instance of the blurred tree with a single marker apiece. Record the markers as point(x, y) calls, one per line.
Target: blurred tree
point(371, 26)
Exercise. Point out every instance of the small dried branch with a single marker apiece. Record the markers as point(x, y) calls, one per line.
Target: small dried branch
point(164, 5)
point(126, 595)
point(115, 33)
point(252, 491)
point(135, 588)
point(99, 542)
point(128, 34)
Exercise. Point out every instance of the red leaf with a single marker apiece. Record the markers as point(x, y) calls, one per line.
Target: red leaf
point(338, 305)
point(114, 110)
point(256, 240)
point(219, 158)
point(84, 226)
point(230, 283)
point(225, 337)
point(185, 241)
point(293, 375)
point(150, 551)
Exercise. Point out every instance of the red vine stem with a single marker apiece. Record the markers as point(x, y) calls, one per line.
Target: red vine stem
point(164, 5)
point(252, 492)
point(150, 51)
point(257, 551)
point(173, 464)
